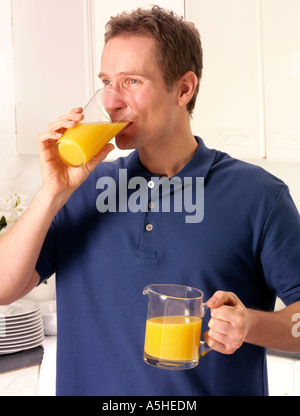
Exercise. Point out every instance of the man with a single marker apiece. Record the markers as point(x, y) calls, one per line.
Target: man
point(242, 253)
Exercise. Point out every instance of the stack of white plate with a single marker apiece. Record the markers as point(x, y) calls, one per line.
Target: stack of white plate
point(21, 326)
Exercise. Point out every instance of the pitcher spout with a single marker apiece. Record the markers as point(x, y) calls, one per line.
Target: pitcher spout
point(146, 290)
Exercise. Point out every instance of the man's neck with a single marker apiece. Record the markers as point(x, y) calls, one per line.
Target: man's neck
point(169, 158)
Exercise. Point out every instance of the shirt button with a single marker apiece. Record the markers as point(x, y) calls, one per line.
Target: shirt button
point(151, 205)
point(151, 184)
point(149, 227)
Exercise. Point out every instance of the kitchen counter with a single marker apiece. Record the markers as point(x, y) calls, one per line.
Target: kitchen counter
point(282, 354)
point(22, 359)
point(19, 372)
point(47, 378)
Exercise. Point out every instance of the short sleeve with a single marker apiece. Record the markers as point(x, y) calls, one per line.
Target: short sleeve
point(46, 264)
point(280, 248)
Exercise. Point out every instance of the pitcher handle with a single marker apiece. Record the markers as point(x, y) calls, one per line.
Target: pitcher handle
point(204, 348)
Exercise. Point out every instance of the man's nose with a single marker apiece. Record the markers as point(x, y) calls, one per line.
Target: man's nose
point(114, 104)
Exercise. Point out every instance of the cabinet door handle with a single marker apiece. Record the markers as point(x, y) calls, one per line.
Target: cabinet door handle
point(283, 141)
point(234, 137)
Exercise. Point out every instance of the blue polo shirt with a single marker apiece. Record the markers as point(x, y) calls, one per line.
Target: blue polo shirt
point(247, 241)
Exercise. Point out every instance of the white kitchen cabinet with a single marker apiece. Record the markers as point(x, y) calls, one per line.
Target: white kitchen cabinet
point(281, 46)
point(229, 111)
point(283, 376)
point(52, 67)
point(249, 103)
point(297, 378)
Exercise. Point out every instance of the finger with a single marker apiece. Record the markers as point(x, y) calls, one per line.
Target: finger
point(109, 147)
point(235, 329)
point(75, 116)
point(49, 136)
point(221, 343)
point(77, 110)
point(222, 331)
point(219, 329)
point(228, 319)
point(214, 337)
point(99, 157)
point(67, 120)
point(222, 325)
point(227, 313)
point(62, 124)
point(213, 343)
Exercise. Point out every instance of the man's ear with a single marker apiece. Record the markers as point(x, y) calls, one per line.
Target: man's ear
point(186, 88)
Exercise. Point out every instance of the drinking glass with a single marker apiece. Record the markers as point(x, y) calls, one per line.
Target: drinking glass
point(105, 115)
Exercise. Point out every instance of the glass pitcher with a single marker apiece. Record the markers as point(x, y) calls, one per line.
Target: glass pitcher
point(173, 326)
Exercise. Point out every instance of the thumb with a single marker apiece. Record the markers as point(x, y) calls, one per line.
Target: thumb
point(99, 157)
point(222, 298)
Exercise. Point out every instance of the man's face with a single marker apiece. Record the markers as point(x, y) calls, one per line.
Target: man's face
point(129, 67)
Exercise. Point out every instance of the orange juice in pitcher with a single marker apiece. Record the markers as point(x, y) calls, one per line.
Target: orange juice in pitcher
point(173, 338)
point(173, 327)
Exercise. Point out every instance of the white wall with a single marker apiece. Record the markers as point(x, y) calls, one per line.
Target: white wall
point(20, 173)
point(289, 172)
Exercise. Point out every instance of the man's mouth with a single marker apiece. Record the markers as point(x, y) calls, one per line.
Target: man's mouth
point(128, 125)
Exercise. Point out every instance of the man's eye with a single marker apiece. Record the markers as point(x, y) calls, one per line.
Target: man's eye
point(106, 82)
point(132, 81)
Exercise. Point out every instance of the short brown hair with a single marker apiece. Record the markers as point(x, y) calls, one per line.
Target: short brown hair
point(178, 42)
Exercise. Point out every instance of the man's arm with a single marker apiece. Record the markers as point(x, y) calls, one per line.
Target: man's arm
point(21, 245)
point(274, 330)
point(232, 323)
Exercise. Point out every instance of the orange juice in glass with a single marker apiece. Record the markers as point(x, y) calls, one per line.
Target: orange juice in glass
point(106, 114)
point(173, 327)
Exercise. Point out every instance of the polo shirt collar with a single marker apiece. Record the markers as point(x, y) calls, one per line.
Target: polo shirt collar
point(198, 166)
